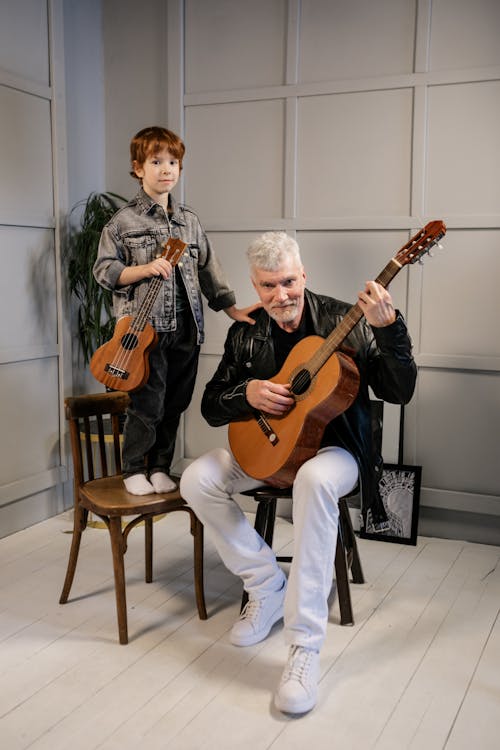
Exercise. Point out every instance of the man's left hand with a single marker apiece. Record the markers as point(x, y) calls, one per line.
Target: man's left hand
point(376, 304)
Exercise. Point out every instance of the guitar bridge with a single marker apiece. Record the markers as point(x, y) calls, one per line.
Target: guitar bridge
point(117, 372)
point(267, 429)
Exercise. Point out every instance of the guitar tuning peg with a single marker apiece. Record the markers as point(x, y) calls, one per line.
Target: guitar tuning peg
point(430, 254)
point(440, 246)
point(421, 261)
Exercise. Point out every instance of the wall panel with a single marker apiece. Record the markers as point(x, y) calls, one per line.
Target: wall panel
point(464, 149)
point(470, 264)
point(354, 154)
point(26, 191)
point(234, 159)
point(32, 181)
point(24, 43)
point(454, 438)
point(464, 34)
point(233, 44)
point(32, 413)
point(355, 38)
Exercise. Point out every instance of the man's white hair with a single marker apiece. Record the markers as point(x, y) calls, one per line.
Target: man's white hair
point(269, 251)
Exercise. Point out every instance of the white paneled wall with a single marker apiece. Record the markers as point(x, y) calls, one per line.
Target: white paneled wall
point(32, 460)
point(351, 124)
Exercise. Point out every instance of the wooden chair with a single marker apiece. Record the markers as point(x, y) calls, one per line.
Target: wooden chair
point(346, 553)
point(92, 419)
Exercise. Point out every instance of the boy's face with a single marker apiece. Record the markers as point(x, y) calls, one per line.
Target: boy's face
point(159, 174)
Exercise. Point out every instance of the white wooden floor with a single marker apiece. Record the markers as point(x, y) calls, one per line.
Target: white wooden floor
point(420, 668)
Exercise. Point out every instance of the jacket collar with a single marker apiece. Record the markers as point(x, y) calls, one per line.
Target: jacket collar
point(147, 205)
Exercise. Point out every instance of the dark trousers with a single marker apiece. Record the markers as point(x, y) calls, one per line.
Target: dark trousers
point(155, 410)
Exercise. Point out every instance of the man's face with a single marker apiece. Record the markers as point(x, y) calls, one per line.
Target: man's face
point(282, 293)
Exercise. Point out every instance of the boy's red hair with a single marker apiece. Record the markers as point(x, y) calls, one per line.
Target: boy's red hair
point(151, 140)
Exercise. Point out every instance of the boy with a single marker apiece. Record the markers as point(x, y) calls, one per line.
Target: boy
point(126, 262)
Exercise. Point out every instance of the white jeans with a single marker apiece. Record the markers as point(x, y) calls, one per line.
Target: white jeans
point(208, 486)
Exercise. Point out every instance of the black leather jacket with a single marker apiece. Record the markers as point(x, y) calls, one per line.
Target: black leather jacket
point(384, 360)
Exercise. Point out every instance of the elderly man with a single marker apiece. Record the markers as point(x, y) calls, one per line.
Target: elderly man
point(381, 349)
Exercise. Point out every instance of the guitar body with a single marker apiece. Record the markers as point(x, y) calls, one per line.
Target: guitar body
point(275, 455)
point(122, 363)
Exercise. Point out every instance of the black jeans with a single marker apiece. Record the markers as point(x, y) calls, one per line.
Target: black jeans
point(155, 410)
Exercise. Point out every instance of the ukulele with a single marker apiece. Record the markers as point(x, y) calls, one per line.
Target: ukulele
point(324, 383)
point(122, 363)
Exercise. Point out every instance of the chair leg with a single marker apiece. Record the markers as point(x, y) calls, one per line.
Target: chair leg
point(265, 518)
point(79, 525)
point(350, 542)
point(197, 531)
point(118, 550)
point(148, 542)
point(342, 582)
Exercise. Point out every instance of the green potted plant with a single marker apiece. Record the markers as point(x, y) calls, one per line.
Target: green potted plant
point(95, 314)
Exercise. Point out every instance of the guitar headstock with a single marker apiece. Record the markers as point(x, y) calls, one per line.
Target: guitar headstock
point(173, 250)
point(421, 243)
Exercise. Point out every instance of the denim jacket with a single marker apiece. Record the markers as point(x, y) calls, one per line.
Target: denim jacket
point(133, 237)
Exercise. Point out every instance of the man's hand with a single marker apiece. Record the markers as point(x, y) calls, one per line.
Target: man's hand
point(271, 398)
point(376, 305)
point(242, 314)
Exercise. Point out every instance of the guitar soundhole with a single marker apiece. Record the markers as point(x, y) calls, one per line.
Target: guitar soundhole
point(301, 382)
point(129, 341)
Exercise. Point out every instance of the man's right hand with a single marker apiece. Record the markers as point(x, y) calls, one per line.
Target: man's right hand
point(271, 398)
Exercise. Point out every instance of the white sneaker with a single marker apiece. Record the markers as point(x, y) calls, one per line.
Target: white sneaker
point(138, 484)
point(162, 482)
point(257, 618)
point(298, 690)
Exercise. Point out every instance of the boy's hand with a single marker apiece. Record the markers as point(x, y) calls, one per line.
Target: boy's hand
point(242, 315)
point(133, 274)
point(158, 267)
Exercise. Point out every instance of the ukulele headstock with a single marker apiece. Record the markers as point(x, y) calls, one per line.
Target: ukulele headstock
point(173, 250)
point(421, 243)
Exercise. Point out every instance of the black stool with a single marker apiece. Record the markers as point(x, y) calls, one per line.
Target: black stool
point(346, 554)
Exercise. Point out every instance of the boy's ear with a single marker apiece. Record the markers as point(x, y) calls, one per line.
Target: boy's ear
point(138, 169)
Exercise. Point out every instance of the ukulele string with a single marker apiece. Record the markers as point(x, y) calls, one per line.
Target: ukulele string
point(126, 353)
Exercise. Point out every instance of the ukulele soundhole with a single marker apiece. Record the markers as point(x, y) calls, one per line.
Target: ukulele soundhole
point(301, 382)
point(129, 341)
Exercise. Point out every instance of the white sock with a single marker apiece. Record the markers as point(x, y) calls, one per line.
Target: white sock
point(138, 484)
point(162, 482)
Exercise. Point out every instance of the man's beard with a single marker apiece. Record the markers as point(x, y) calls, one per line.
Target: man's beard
point(286, 314)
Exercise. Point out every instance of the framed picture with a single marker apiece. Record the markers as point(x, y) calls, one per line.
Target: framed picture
point(400, 491)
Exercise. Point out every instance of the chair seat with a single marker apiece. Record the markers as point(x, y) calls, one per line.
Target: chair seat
point(108, 496)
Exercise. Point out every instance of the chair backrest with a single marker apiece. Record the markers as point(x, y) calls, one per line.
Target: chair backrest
point(94, 423)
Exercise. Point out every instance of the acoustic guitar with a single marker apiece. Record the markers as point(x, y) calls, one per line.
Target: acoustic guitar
point(324, 383)
point(122, 363)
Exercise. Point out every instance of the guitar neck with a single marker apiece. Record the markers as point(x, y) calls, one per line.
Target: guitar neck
point(348, 323)
point(142, 316)
point(173, 250)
